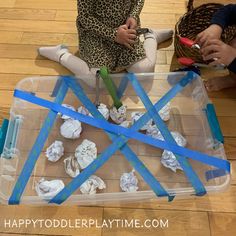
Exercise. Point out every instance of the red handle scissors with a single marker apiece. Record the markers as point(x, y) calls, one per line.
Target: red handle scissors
point(188, 42)
point(190, 62)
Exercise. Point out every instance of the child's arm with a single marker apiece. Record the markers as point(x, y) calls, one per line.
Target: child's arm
point(225, 16)
point(86, 20)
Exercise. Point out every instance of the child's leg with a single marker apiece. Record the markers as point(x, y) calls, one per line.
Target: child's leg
point(61, 54)
point(150, 45)
point(219, 83)
point(76, 65)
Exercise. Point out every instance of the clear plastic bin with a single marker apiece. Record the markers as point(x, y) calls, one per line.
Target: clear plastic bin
point(188, 117)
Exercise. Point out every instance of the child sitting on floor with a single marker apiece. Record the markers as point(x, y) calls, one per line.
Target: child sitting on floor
point(107, 37)
point(212, 48)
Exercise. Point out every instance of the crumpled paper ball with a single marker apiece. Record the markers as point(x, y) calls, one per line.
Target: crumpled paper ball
point(84, 111)
point(102, 108)
point(165, 112)
point(118, 115)
point(153, 131)
point(55, 151)
point(91, 185)
point(65, 117)
point(179, 139)
point(71, 166)
point(168, 159)
point(48, 189)
point(129, 182)
point(71, 129)
point(135, 116)
point(86, 153)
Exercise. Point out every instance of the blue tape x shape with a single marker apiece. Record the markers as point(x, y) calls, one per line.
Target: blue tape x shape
point(119, 136)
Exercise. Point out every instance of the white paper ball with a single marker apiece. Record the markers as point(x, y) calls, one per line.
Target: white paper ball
point(71, 129)
point(55, 151)
point(86, 153)
point(91, 185)
point(49, 189)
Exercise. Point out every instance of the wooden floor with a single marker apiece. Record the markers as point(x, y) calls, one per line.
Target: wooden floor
point(27, 24)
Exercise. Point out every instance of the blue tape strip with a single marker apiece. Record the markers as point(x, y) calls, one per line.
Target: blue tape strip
point(170, 95)
point(188, 170)
point(78, 91)
point(212, 174)
point(131, 133)
point(36, 149)
point(90, 106)
point(125, 150)
point(57, 87)
point(195, 155)
point(3, 134)
point(214, 123)
point(217, 135)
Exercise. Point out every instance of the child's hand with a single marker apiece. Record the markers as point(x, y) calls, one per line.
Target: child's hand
point(125, 36)
point(212, 32)
point(218, 51)
point(131, 23)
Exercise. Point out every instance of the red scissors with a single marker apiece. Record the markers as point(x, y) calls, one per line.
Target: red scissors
point(190, 62)
point(188, 42)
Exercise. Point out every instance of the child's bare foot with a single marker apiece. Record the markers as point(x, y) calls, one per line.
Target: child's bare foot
point(219, 83)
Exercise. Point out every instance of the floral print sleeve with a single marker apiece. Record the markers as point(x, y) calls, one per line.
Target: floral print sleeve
point(136, 8)
point(87, 20)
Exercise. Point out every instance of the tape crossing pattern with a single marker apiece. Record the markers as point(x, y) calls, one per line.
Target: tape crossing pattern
point(119, 136)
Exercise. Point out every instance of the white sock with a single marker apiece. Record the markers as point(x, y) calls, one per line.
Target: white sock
point(53, 53)
point(160, 35)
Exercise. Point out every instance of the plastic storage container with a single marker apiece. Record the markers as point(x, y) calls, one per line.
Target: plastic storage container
point(189, 116)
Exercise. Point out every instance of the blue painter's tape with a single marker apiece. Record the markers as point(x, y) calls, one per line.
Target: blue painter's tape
point(131, 133)
point(57, 87)
point(217, 135)
point(126, 151)
point(164, 102)
point(36, 149)
point(121, 141)
point(3, 133)
point(212, 174)
point(77, 89)
point(190, 173)
point(190, 77)
point(214, 123)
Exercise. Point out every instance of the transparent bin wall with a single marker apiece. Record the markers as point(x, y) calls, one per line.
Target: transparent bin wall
point(187, 117)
